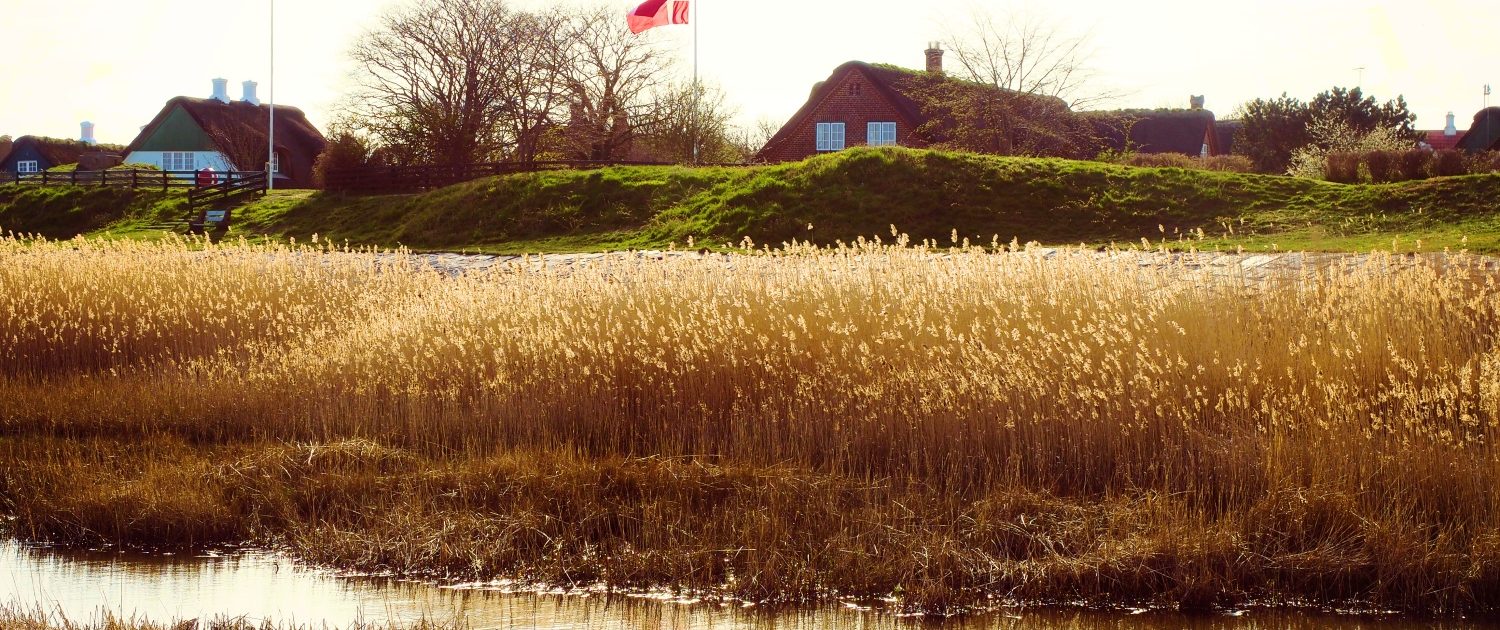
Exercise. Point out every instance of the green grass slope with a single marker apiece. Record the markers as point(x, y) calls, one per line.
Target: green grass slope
point(67, 211)
point(862, 192)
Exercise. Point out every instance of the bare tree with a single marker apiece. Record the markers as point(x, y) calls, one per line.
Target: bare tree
point(610, 77)
point(434, 77)
point(1024, 53)
point(685, 116)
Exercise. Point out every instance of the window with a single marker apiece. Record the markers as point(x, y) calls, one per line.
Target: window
point(830, 136)
point(880, 134)
point(275, 162)
point(177, 161)
point(855, 89)
point(27, 166)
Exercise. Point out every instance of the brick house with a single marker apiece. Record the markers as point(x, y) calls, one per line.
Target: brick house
point(863, 104)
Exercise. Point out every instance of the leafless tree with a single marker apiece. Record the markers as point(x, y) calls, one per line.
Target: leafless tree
point(435, 75)
point(1022, 52)
point(610, 77)
point(685, 116)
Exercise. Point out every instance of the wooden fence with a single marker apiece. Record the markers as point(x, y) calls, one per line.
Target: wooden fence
point(408, 179)
point(125, 178)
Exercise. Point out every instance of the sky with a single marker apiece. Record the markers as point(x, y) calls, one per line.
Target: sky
point(116, 63)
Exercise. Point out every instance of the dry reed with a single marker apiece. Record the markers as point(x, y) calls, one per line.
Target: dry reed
point(1321, 435)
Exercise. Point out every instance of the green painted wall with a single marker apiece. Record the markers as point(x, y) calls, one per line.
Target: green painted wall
point(178, 132)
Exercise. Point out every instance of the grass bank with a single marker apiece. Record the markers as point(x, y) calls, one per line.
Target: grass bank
point(871, 422)
point(67, 211)
point(860, 192)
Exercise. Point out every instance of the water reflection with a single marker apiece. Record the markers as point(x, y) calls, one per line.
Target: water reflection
point(266, 588)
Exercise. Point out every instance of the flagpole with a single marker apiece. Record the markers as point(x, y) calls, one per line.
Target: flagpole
point(271, 118)
point(696, 89)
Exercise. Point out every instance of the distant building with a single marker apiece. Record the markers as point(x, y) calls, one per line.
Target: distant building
point(189, 134)
point(34, 154)
point(1445, 139)
point(1484, 133)
point(1192, 131)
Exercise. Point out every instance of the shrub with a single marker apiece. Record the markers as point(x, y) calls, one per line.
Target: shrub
point(1416, 164)
point(1160, 160)
point(1449, 163)
point(1486, 162)
point(1342, 167)
point(1229, 164)
point(1383, 165)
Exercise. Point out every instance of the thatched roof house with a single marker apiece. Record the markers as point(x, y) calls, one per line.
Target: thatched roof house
point(34, 154)
point(876, 104)
point(194, 133)
point(1191, 132)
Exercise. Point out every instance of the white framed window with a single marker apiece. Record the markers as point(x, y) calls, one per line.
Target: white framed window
point(879, 134)
point(177, 161)
point(831, 136)
point(275, 162)
point(27, 166)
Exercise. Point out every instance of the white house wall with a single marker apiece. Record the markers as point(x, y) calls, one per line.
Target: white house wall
point(201, 159)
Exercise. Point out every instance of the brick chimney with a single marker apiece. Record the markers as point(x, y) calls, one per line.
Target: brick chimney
point(1196, 102)
point(1452, 128)
point(87, 132)
point(935, 57)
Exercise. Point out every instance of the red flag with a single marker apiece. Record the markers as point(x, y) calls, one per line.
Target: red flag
point(654, 13)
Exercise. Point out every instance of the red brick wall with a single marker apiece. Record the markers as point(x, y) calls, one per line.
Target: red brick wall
point(848, 104)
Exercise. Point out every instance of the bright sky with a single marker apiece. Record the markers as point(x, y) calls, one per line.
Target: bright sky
point(115, 63)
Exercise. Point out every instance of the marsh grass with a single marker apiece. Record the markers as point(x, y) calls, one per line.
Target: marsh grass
point(946, 425)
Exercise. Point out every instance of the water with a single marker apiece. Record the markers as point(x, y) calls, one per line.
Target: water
point(259, 587)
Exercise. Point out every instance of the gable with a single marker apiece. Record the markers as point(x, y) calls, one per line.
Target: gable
point(24, 151)
point(851, 96)
point(177, 131)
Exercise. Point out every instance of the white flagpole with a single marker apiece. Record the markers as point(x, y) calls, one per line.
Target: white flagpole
point(271, 122)
point(693, 15)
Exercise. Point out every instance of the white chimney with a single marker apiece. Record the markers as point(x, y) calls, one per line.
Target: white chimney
point(221, 90)
point(249, 90)
point(87, 133)
point(1451, 129)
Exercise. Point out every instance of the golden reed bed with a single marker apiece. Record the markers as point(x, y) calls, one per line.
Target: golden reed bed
point(953, 427)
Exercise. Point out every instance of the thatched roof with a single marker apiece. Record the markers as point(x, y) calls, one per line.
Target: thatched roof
point(57, 151)
point(1484, 134)
point(298, 142)
point(1157, 130)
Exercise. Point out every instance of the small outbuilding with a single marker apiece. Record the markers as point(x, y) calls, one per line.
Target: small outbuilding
point(1484, 134)
point(34, 154)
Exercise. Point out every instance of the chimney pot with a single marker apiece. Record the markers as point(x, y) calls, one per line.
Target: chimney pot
point(934, 57)
point(1196, 102)
point(87, 134)
point(221, 90)
point(249, 93)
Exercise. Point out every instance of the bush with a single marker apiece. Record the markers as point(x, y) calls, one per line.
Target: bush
point(1342, 167)
point(1223, 163)
point(1486, 162)
point(1416, 164)
point(346, 149)
point(1449, 163)
point(1229, 164)
point(1383, 165)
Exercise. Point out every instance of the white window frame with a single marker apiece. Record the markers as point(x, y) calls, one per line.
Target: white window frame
point(179, 161)
point(27, 167)
point(830, 136)
point(880, 134)
point(275, 163)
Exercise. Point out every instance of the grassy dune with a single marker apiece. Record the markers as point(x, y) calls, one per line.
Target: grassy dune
point(842, 196)
point(871, 421)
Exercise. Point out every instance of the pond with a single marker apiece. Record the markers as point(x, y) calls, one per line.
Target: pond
point(262, 587)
